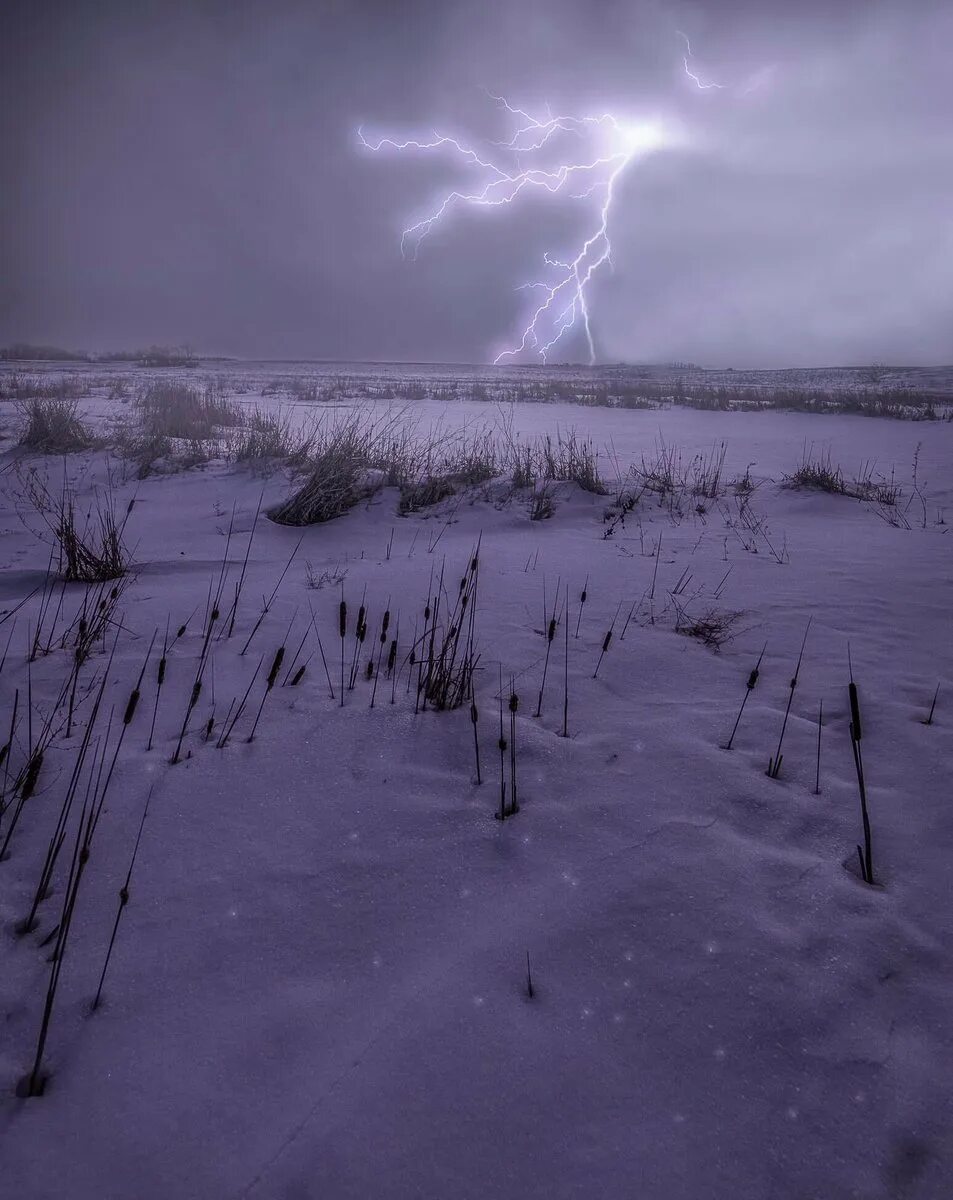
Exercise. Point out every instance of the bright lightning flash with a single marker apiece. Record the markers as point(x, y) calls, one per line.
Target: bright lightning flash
point(577, 158)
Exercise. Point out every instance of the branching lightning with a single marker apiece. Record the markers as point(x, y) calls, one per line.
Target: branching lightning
point(578, 158)
point(686, 57)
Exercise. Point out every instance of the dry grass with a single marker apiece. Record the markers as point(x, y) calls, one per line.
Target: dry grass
point(53, 425)
point(177, 412)
point(269, 439)
point(89, 544)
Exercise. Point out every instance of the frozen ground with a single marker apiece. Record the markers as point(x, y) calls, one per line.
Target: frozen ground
point(318, 988)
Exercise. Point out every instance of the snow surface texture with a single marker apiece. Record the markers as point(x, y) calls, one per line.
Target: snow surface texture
point(318, 987)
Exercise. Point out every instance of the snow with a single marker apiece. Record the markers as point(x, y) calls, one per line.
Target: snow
point(319, 984)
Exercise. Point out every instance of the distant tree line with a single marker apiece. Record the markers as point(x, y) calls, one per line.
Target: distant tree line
point(152, 356)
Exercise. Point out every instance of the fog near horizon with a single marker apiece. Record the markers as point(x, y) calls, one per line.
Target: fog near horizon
point(180, 173)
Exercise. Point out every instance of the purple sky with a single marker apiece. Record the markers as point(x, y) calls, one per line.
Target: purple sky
point(190, 172)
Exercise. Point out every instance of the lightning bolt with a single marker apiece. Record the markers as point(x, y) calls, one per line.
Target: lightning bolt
point(578, 157)
point(702, 87)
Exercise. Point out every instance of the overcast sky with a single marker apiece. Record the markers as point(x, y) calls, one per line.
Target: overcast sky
point(180, 172)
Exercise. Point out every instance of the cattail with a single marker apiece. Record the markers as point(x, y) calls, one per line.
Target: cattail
point(856, 731)
point(31, 777)
point(275, 667)
point(298, 675)
point(160, 680)
point(550, 635)
point(269, 684)
point(474, 718)
point(607, 640)
point(658, 556)
point(380, 654)
point(296, 656)
point(865, 855)
point(582, 602)
point(749, 688)
point(929, 720)
point(360, 633)
point(392, 669)
point(513, 706)
point(342, 630)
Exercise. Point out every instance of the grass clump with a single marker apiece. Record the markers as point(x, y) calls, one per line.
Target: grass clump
point(268, 439)
point(341, 469)
point(172, 410)
point(90, 544)
point(819, 474)
point(53, 425)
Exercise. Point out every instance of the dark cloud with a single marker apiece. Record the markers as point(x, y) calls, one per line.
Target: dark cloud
point(190, 172)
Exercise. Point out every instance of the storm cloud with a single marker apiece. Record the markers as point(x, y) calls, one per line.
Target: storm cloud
point(191, 172)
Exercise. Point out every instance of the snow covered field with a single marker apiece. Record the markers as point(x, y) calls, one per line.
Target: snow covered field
point(319, 985)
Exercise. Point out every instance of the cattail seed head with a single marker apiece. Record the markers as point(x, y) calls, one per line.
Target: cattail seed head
point(196, 692)
point(502, 743)
point(209, 726)
point(123, 896)
point(275, 667)
point(131, 706)
point(32, 775)
point(369, 673)
point(752, 679)
point(342, 618)
point(551, 631)
point(160, 675)
point(181, 632)
point(514, 702)
point(606, 640)
point(855, 728)
point(392, 655)
point(386, 621)
point(473, 713)
point(297, 677)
